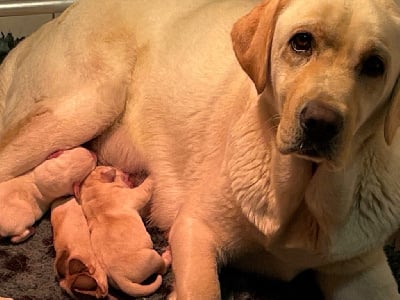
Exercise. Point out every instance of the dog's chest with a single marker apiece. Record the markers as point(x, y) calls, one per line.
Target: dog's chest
point(373, 215)
point(343, 214)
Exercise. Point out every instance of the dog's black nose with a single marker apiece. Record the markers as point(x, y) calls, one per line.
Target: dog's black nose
point(320, 122)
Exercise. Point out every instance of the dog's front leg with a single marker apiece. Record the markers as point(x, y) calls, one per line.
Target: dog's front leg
point(194, 259)
point(366, 277)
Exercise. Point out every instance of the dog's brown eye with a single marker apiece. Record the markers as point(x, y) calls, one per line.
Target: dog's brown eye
point(373, 66)
point(302, 42)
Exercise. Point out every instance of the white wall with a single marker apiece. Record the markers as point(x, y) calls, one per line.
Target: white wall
point(22, 25)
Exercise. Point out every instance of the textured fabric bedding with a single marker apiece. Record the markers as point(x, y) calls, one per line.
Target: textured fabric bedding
point(26, 273)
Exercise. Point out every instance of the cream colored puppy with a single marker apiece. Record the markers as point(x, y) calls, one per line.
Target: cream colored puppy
point(24, 199)
point(119, 237)
point(76, 264)
point(269, 128)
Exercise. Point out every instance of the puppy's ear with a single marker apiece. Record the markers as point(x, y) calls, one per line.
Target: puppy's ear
point(252, 39)
point(109, 175)
point(392, 121)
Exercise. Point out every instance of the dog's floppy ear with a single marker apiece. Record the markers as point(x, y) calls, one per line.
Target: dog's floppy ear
point(252, 39)
point(392, 121)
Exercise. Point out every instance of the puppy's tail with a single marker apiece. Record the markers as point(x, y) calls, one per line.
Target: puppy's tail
point(137, 289)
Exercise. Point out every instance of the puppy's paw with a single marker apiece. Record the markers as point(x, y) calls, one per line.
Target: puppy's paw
point(76, 266)
point(23, 236)
point(86, 284)
point(83, 282)
point(85, 279)
point(82, 285)
point(167, 257)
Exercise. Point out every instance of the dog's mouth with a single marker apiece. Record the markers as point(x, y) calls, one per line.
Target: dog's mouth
point(317, 156)
point(316, 153)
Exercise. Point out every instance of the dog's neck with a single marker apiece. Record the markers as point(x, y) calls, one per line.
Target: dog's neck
point(299, 207)
point(350, 208)
point(266, 196)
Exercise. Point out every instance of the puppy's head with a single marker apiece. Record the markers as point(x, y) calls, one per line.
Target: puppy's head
point(107, 174)
point(330, 67)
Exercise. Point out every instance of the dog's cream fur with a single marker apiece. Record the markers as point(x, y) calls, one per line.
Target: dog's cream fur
point(24, 199)
point(118, 235)
point(158, 83)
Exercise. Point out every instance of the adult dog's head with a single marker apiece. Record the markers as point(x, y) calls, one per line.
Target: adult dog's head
point(331, 67)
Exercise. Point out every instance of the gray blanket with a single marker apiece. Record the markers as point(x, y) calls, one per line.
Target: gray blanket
point(26, 273)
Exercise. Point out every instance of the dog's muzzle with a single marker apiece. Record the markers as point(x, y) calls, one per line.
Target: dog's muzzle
point(320, 125)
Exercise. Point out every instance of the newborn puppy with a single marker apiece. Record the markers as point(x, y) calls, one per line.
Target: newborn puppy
point(24, 199)
point(119, 237)
point(76, 265)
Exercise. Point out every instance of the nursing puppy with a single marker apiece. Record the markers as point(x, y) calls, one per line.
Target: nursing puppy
point(269, 128)
point(76, 265)
point(24, 199)
point(119, 237)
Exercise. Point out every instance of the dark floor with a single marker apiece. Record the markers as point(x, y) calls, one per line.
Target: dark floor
point(26, 273)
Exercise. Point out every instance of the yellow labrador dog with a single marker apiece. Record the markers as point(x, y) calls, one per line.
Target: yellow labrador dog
point(268, 128)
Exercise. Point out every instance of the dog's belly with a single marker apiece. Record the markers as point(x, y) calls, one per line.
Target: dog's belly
point(116, 148)
point(128, 151)
point(178, 115)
